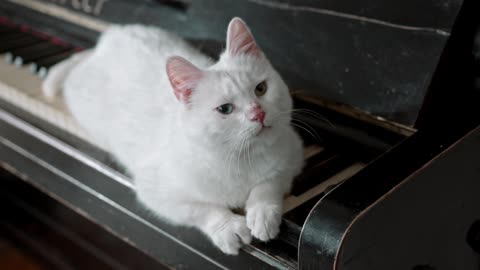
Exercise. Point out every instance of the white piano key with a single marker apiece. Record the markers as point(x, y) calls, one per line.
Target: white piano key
point(312, 150)
point(22, 89)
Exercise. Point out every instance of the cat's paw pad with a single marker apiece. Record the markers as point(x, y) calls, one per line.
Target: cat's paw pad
point(264, 221)
point(231, 235)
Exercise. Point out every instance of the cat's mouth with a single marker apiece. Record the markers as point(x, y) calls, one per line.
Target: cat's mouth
point(263, 129)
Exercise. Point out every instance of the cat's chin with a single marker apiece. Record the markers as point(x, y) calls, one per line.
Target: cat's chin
point(263, 131)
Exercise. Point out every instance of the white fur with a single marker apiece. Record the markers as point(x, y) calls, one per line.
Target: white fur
point(190, 163)
point(57, 74)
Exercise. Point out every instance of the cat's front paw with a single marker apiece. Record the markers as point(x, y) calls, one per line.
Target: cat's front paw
point(264, 221)
point(231, 234)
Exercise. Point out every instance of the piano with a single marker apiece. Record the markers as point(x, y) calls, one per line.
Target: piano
point(387, 95)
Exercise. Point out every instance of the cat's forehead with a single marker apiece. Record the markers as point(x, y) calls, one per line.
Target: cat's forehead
point(237, 76)
point(240, 74)
point(242, 63)
point(234, 81)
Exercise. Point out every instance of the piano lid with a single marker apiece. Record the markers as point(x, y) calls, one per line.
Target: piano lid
point(378, 56)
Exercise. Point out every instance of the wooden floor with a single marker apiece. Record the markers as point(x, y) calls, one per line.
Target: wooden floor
point(13, 257)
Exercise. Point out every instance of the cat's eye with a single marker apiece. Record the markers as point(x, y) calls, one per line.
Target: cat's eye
point(261, 89)
point(226, 108)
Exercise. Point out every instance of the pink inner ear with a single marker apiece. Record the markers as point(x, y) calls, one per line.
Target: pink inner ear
point(183, 76)
point(240, 40)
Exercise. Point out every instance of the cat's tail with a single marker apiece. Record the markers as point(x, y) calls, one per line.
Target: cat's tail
point(53, 83)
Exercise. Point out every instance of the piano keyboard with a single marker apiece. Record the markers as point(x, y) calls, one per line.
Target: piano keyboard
point(26, 56)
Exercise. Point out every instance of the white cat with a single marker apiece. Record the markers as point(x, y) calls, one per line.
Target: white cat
point(200, 138)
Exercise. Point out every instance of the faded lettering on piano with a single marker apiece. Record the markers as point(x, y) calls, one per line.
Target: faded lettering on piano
point(92, 7)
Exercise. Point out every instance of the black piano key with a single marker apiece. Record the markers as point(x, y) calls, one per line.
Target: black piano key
point(17, 43)
point(36, 47)
point(32, 49)
point(15, 38)
point(46, 61)
point(32, 56)
point(10, 54)
point(51, 60)
point(5, 27)
point(7, 30)
point(41, 67)
point(12, 35)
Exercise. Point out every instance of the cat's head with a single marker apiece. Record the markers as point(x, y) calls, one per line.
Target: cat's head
point(239, 98)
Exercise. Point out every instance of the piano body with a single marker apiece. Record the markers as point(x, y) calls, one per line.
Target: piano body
point(391, 179)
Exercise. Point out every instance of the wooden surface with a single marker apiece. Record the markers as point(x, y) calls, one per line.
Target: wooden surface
point(14, 258)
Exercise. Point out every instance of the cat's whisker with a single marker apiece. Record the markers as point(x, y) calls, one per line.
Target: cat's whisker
point(280, 115)
point(307, 126)
point(229, 161)
point(250, 159)
point(234, 150)
point(308, 112)
point(299, 124)
point(242, 149)
point(238, 152)
point(314, 114)
point(303, 128)
point(306, 129)
point(231, 156)
point(296, 92)
point(247, 153)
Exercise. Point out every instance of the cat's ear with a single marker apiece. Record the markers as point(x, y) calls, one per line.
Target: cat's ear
point(183, 76)
point(240, 40)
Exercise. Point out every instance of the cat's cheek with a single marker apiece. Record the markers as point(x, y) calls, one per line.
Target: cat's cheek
point(274, 98)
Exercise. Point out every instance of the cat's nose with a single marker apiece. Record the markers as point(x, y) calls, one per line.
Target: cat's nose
point(258, 115)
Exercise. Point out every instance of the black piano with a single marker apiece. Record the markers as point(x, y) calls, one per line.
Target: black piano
point(388, 96)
